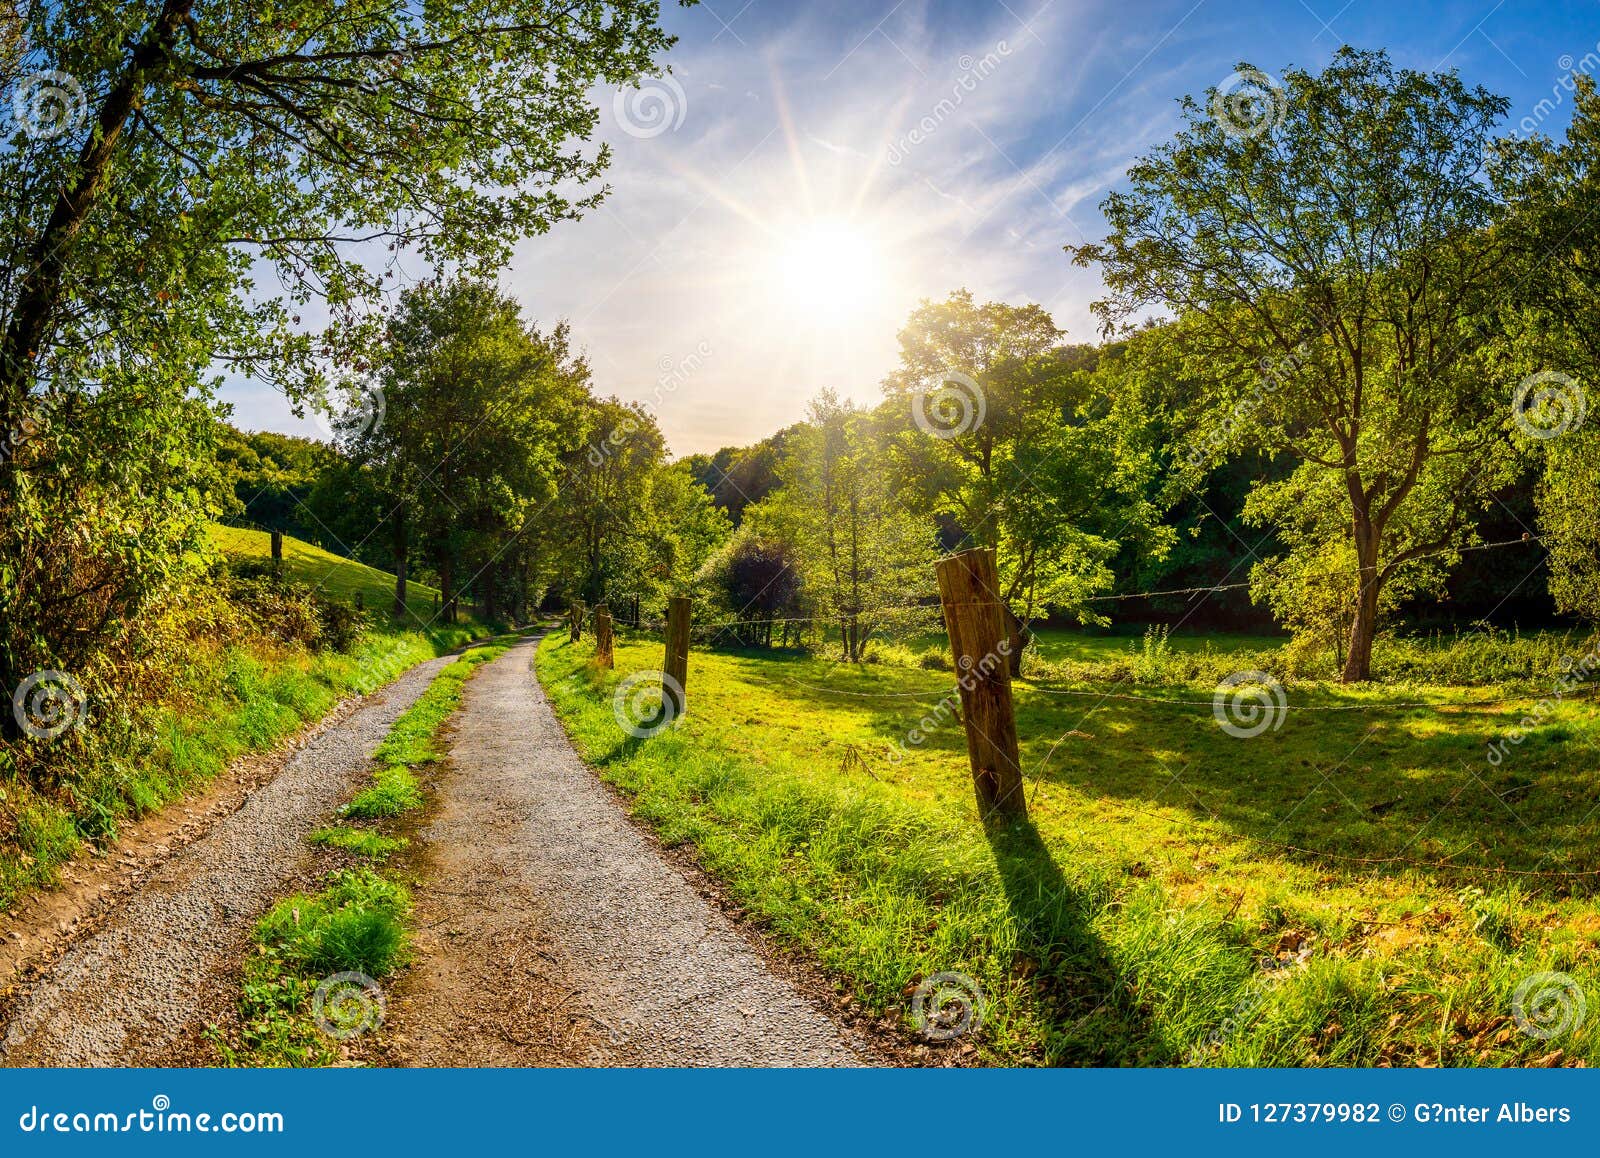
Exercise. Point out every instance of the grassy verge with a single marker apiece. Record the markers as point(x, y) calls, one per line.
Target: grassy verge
point(1180, 896)
point(295, 1007)
point(227, 703)
point(215, 702)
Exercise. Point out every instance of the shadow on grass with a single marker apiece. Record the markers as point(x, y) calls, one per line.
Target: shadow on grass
point(1092, 1019)
point(1358, 792)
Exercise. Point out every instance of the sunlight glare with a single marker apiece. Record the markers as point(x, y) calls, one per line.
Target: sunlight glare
point(826, 270)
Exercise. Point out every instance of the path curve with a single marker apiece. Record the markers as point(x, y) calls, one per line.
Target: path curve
point(132, 993)
point(552, 932)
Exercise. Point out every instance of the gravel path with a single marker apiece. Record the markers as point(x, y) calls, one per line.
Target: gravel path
point(130, 994)
point(552, 932)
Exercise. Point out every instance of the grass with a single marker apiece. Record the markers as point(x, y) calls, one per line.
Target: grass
point(226, 702)
point(356, 925)
point(362, 842)
point(1065, 645)
point(1359, 886)
point(360, 923)
point(334, 575)
point(412, 742)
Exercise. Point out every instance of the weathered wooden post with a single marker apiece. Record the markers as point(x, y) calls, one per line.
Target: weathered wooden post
point(277, 547)
point(575, 620)
point(602, 636)
point(969, 589)
point(675, 668)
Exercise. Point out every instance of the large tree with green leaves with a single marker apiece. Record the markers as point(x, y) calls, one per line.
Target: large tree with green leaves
point(866, 559)
point(999, 434)
point(472, 411)
point(1555, 233)
point(184, 179)
point(627, 523)
point(1328, 250)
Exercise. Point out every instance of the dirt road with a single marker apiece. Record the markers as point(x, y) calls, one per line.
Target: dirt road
point(554, 933)
point(139, 990)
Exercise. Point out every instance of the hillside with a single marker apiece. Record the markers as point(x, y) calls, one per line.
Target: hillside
point(335, 575)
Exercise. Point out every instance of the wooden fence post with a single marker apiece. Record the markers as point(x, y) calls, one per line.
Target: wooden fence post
point(602, 636)
point(575, 620)
point(975, 618)
point(277, 547)
point(675, 668)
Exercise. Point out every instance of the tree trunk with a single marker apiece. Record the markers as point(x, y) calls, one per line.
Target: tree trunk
point(1017, 637)
point(447, 588)
point(1358, 660)
point(603, 637)
point(39, 295)
point(401, 550)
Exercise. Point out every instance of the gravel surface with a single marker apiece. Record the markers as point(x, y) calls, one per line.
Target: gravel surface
point(130, 994)
point(553, 933)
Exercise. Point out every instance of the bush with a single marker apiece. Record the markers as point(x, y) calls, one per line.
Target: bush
point(290, 611)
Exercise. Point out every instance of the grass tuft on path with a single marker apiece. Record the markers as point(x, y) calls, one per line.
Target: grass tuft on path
point(359, 923)
point(412, 742)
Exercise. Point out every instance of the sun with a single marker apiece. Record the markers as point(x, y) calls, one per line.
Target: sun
point(825, 270)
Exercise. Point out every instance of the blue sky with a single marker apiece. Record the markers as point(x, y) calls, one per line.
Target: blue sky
point(811, 171)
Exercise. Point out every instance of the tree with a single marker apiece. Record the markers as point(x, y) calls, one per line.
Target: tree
point(603, 528)
point(756, 579)
point(270, 478)
point(471, 412)
point(216, 139)
point(1329, 255)
point(183, 179)
point(740, 476)
point(997, 431)
point(1556, 238)
point(864, 558)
